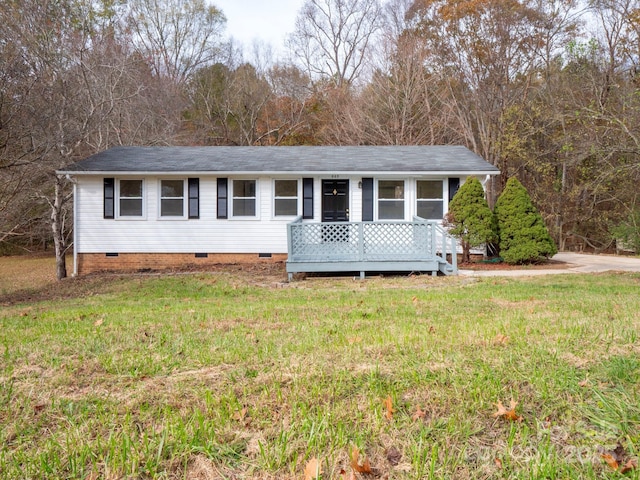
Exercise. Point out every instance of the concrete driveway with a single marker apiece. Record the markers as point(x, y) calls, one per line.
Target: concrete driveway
point(577, 263)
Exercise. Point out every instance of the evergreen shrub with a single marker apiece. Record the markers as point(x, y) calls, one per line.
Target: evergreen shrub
point(470, 217)
point(524, 238)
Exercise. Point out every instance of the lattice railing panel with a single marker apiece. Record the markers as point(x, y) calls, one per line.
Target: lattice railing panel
point(362, 241)
point(396, 240)
point(325, 239)
point(374, 242)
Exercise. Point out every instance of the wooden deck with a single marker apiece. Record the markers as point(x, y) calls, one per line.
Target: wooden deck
point(417, 246)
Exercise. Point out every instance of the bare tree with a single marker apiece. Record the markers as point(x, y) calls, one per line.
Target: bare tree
point(333, 38)
point(74, 89)
point(286, 116)
point(403, 101)
point(177, 36)
point(226, 104)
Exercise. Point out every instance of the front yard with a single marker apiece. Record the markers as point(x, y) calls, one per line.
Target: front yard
point(240, 375)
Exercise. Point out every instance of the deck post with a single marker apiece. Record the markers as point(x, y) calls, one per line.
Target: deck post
point(360, 230)
point(454, 254)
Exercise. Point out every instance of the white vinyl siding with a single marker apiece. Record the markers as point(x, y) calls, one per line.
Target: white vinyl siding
point(153, 234)
point(156, 235)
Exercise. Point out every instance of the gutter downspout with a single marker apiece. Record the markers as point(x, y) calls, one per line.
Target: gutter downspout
point(75, 231)
point(75, 223)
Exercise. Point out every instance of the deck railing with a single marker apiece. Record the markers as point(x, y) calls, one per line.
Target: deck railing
point(370, 244)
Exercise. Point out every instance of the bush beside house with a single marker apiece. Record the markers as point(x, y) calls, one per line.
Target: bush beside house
point(470, 217)
point(524, 238)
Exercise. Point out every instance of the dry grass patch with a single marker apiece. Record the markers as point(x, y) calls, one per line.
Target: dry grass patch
point(218, 375)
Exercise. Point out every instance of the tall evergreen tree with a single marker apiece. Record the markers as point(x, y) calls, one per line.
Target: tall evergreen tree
point(470, 216)
point(524, 237)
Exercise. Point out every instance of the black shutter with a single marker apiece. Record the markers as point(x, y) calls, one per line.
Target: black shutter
point(307, 198)
point(194, 198)
point(454, 185)
point(109, 197)
point(367, 199)
point(223, 198)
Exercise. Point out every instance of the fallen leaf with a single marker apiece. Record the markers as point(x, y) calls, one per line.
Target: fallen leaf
point(630, 465)
point(313, 469)
point(242, 417)
point(509, 414)
point(500, 340)
point(611, 461)
point(498, 462)
point(98, 322)
point(583, 383)
point(351, 476)
point(419, 413)
point(617, 459)
point(355, 462)
point(353, 340)
point(388, 403)
point(414, 300)
point(393, 456)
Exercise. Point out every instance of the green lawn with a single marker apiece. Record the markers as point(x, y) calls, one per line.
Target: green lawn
point(223, 376)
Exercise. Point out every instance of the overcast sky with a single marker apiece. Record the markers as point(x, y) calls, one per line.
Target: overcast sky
point(266, 20)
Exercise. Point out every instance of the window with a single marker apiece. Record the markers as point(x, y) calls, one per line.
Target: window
point(391, 200)
point(286, 198)
point(172, 198)
point(244, 198)
point(130, 198)
point(430, 199)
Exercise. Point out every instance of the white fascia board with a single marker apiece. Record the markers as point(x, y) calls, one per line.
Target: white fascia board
point(276, 172)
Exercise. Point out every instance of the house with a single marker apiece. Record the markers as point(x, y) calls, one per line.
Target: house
point(138, 208)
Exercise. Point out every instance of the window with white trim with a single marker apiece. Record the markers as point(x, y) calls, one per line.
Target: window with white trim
point(430, 199)
point(285, 198)
point(130, 195)
point(244, 198)
point(172, 198)
point(390, 199)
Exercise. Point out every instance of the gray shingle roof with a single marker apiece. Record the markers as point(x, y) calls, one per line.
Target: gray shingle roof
point(298, 159)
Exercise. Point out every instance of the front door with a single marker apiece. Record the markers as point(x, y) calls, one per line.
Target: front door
point(335, 200)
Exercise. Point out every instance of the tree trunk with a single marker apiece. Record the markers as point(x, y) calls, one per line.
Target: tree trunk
point(466, 252)
point(57, 225)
